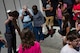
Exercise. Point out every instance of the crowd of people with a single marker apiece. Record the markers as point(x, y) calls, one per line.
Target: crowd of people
point(65, 12)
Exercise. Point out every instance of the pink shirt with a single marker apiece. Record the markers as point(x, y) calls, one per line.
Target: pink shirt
point(34, 49)
point(59, 15)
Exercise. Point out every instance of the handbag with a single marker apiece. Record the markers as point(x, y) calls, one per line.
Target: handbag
point(44, 29)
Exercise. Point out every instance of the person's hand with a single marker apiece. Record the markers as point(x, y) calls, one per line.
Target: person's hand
point(23, 12)
point(6, 45)
point(75, 11)
point(1, 39)
point(10, 18)
point(43, 24)
point(50, 9)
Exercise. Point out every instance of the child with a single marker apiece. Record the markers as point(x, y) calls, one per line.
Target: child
point(2, 42)
point(72, 42)
point(28, 45)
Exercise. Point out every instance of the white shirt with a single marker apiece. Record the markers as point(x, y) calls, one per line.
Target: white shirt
point(26, 18)
point(67, 49)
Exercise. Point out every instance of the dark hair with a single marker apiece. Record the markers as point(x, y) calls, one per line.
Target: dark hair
point(10, 14)
point(27, 38)
point(67, 18)
point(34, 7)
point(14, 14)
point(72, 35)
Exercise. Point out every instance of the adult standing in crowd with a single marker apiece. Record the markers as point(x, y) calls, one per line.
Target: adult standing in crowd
point(38, 21)
point(66, 27)
point(68, 4)
point(72, 42)
point(54, 5)
point(48, 9)
point(59, 15)
point(26, 17)
point(10, 34)
point(76, 10)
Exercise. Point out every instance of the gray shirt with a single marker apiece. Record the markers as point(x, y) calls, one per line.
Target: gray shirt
point(38, 19)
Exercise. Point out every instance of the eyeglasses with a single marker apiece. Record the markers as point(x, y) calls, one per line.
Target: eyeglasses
point(34, 9)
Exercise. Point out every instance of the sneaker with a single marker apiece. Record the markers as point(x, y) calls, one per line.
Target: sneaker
point(51, 35)
point(45, 36)
point(51, 32)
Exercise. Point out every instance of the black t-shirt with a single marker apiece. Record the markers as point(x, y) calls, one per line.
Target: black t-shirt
point(54, 4)
point(48, 12)
point(10, 28)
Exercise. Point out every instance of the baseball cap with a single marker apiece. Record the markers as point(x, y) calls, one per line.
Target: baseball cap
point(8, 11)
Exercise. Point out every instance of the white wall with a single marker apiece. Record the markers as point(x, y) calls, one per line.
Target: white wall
point(2, 17)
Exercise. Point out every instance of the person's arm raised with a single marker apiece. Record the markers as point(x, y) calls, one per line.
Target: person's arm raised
point(17, 27)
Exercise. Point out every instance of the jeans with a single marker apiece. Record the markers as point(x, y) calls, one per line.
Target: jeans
point(38, 33)
point(60, 23)
point(28, 25)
